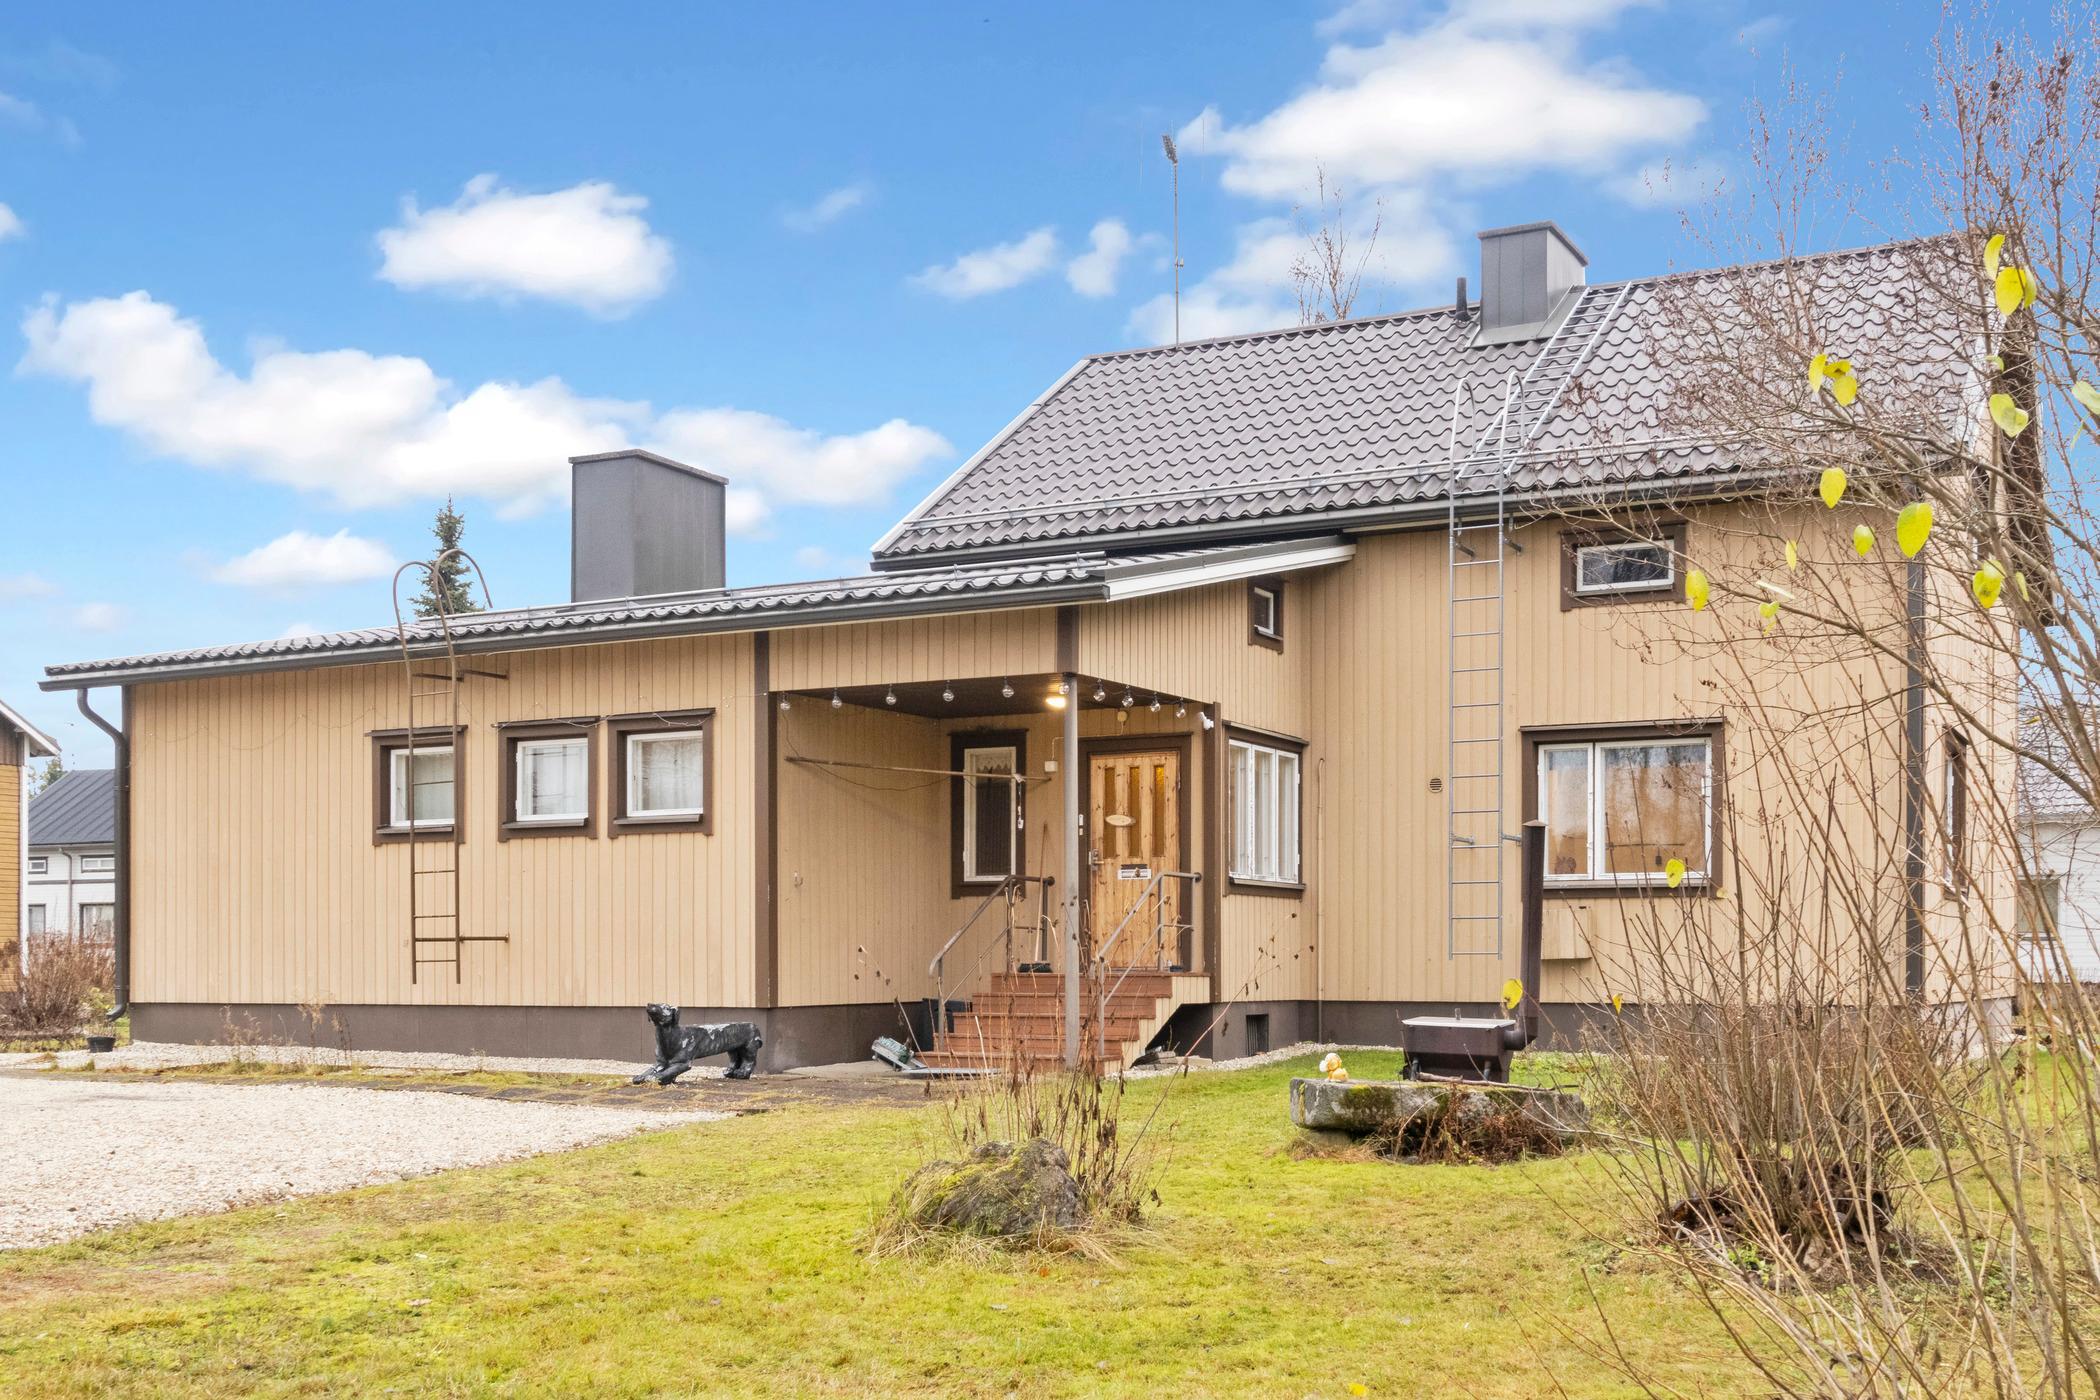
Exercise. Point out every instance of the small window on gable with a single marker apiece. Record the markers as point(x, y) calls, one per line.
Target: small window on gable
point(1624, 566)
point(1265, 613)
point(663, 774)
point(986, 807)
point(97, 865)
point(1610, 565)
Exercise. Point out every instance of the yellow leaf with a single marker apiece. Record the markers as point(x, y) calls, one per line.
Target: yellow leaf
point(1793, 556)
point(2087, 396)
point(2030, 287)
point(1512, 993)
point(1816, 369)
point(1769, 611)
point(2020, 582)
point(1359, 1388)
point(1913, 527)
point(1832, 487)
point(2009, 416)
point(1844, 384)
point(1992, 251)
point(1987, 583)
point(2010, 290)
point(1862, 540)
point(1998, 363)
point(1618, 1003)
point(1696, 589)
point(1673, 872)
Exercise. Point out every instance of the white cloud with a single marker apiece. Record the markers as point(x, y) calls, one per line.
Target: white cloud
point(98, 617)
point(1093, 273)
point(15, 587)
point(297, 630)
point(301, 560)
point(373, 430)
point(829, 209)
point(10, 224)
point(815, 561)
point(587, 245)
point(993, 269)
point(24, 115)
point(1486, 90)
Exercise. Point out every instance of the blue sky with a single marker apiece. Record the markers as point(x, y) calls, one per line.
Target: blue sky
point(279, 278)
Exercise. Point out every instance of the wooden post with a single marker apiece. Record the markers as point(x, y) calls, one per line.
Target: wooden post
point(1073, 836)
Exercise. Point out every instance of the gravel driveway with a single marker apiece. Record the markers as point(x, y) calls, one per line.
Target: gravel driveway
point(77, 1155)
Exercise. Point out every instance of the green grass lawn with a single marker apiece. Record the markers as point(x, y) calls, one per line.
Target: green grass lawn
point(723, 1258)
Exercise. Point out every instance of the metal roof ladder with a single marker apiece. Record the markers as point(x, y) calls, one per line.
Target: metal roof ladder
point(435, 935)
point(1477, 547)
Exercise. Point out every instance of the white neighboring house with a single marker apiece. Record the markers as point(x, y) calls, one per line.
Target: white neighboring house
point(71, 878)
point(2062, 834)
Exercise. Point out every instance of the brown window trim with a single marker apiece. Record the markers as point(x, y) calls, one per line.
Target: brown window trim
point(618, 728)
point(1712, 730)
point(1239, 884)
point(512, 733)
point(1668, 530)
point(384, 742)
point(1255, 636)
point(958, 744)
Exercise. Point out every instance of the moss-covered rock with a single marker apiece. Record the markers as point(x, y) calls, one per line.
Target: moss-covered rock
point(999, 1192)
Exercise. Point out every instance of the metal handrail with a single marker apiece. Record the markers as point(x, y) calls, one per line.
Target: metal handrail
point(1007, 888)
point(1154, 891)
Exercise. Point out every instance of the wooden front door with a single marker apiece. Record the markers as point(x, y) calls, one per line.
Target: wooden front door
point(1134, 826)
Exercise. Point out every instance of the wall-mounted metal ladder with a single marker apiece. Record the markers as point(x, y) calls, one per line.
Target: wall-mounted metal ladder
point(1478, 544)
point(435, 936)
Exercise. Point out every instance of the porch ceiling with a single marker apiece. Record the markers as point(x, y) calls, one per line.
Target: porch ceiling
point(983, 697)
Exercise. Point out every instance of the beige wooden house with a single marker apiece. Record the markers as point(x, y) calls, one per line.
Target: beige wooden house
point(20, 741)
point(1194, 709)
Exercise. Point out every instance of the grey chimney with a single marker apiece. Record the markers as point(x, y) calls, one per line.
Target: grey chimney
point(641, 524)
point(1528, 273)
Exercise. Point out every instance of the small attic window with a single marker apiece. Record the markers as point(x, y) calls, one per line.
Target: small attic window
point(1604, 565)
point(1265, 613)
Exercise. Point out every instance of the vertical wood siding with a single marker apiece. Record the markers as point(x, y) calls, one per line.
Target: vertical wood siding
point(257, 881)
point(11, 930)
point(1017, 642)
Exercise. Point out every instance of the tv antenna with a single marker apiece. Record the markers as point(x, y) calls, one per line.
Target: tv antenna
point(1174, 159)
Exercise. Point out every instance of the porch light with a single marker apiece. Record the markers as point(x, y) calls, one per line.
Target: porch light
point(1100, 692)
point(1055, 699)
point(784, 703)
point(1181, 710)
point(1155, 704)
point(948, 694)
point(1006, 688)
point(1128, 698)
point(836, 703)
point(889, 697)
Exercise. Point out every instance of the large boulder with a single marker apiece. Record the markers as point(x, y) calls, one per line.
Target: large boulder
point(999, 1191)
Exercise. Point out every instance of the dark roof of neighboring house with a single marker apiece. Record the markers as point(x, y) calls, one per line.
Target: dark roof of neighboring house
point(1317, 426)
point(80, 809)
point(1089, 577)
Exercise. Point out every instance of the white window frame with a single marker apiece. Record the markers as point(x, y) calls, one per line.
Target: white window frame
point(1271, 851)
point(1596, 874)
point(38, 922)
point(1606, 590)
point(40, 865)
point(98, 865)
point(84, 922)
point(397, 799)
point(971, 875)
point(634, 810)
point(1273, 628)
point(523, 747)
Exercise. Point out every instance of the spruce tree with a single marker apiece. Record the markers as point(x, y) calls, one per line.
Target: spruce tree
point(451, 575)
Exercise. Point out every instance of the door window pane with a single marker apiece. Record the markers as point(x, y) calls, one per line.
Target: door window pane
point(553, 780)
point(664, 775)
point(424, 789)
point(989, 814)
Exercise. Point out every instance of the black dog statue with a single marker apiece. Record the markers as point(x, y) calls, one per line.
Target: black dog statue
point(678, 1046)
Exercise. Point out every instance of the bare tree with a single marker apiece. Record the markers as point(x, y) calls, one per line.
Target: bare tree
point(1330, 272)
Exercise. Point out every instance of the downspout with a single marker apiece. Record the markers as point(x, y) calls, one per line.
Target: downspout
point(1072, 856)
point(1914, 780)
point(120, 933)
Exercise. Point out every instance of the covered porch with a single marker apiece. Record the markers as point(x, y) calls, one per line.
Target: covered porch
point(1026, 864)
